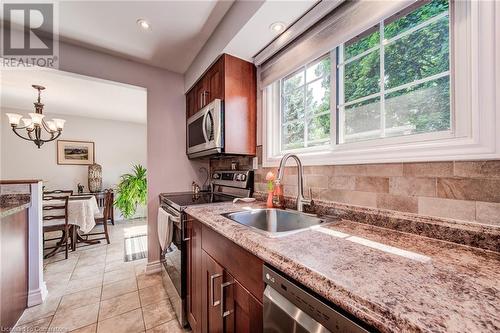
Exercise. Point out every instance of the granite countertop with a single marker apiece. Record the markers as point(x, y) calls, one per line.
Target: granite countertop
point(13, 203)
point(392, 280)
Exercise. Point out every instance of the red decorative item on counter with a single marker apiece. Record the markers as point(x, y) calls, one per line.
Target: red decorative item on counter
point(270, 189)
point(279, 199)
point(269, 202)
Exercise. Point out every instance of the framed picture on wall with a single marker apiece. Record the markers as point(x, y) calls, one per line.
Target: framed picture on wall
point(75, 152)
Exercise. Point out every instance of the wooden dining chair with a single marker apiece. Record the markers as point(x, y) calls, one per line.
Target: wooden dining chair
point(55, 218)
point(101, 203)
point(58, 193)
point(104, 217)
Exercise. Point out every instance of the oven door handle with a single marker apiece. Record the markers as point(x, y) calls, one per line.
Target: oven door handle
point(171, 214)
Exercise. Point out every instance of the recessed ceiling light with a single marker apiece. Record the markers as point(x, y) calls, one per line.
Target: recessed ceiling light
point(277, 27)
point(143, 24)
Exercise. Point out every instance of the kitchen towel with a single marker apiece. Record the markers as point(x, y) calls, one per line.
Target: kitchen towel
point(165, 230)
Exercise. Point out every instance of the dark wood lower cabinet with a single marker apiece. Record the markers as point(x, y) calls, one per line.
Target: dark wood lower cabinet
point(13, 268)
point(247, 311)
point(227, 304)
point(213, 275)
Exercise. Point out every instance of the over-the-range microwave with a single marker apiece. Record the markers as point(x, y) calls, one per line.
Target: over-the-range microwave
point(205, 131)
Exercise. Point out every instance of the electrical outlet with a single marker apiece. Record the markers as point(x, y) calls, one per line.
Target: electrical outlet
point(255, 162)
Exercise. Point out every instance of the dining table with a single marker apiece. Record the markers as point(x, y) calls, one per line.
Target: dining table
point(82, 212)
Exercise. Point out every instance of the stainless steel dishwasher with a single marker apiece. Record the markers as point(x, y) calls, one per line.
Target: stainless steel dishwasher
point(290, 308)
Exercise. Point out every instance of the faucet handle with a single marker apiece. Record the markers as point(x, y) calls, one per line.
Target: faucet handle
point(311, 201)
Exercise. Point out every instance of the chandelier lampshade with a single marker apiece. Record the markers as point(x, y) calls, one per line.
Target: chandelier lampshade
point(34, 128)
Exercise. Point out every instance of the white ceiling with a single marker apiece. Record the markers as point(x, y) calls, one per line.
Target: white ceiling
point(73, 94)
point(178, 28)
point(256, 33)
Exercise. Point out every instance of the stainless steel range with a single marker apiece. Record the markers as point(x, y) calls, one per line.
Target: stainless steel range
point(226, 186)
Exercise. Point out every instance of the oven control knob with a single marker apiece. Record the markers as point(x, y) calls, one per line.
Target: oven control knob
point(237, 176)
point(243, 177)
point(216, 176)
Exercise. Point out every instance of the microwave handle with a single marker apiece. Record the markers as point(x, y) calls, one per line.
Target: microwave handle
point(204, 126)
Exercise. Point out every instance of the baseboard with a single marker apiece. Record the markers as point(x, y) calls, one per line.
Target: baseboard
point(153, 267)
point(37, 296)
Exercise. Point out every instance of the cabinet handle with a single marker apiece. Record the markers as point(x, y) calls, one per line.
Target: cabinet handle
point(212, 278)
point(223, 313)
point(201, 100)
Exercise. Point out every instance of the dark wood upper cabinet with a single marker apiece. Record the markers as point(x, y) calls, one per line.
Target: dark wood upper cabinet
point(232, 80)
point(215, 81)
point(191, 107)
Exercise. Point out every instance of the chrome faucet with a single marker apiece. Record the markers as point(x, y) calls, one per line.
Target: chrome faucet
point(301, 201)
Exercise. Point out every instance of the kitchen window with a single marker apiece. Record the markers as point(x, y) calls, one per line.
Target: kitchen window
point(392, 80)
point(411, 84)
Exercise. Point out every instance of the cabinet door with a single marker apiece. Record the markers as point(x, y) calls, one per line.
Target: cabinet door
point(201, 92)
point(215, 81)
point(242, 312)
point(194, 279)
point(190, 103)
point(229, 307)
point(213, 275)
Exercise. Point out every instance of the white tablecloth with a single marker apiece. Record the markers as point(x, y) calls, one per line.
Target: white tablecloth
point(81, 212)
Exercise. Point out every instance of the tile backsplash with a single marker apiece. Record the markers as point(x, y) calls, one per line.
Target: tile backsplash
point(462, 190)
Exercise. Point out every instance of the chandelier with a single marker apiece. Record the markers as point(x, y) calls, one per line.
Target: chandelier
point(36, 126)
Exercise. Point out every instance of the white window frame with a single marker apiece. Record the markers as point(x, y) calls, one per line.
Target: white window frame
point(474, 83)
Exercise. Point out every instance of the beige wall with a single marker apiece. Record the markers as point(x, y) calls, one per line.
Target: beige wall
point(168, 166)
point(462, 190)
point(118, 146)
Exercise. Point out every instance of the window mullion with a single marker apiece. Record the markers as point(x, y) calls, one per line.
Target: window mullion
point(382, 81)
point(333, 98)
point(418, 82)
point(306, 116)
point(281, 118)
point(361, 99)
point(341, 98)
point(361, 55)
point(416, 28)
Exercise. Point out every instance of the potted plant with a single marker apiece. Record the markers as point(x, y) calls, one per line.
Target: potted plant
point(132, 191)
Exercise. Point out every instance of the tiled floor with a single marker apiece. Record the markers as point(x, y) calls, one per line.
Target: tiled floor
point(94, 290)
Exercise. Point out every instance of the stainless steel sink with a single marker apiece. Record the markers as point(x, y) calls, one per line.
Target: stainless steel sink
point(275, 222)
